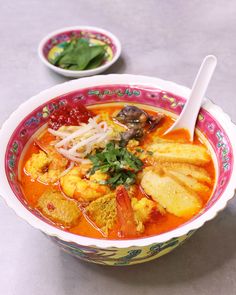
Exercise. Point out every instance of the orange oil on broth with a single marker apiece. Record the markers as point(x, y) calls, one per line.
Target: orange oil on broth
point(158, 224)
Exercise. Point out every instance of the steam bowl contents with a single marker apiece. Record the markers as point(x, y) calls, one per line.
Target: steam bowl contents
point(93, 169)
point(146, 182)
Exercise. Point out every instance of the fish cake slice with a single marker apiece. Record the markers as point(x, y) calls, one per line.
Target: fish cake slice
point(196, 172)
point(188, 182)
point(170, 194)
point(180, 153)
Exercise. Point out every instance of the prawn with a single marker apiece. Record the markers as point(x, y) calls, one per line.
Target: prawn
point(125, 213)
point(47, 165)
point(76, 186)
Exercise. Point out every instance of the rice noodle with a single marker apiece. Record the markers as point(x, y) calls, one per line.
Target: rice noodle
point(73, 158)
point(67, 152)
point(77, 142)
point(84, 142)
point(58, 133)
point(73, 135)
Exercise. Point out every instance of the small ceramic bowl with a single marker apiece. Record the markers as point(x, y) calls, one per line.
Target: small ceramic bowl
point(213, 125)
point(50, 46)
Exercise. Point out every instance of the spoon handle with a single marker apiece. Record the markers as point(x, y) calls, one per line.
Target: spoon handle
point(188, 116)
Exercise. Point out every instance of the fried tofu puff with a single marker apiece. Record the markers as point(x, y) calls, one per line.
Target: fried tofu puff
point(59, 209)
point(81, 189)
point(103, 212)
point(44, 167)
point(142, 211)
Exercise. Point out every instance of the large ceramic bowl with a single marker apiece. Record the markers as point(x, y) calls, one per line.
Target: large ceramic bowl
point(213, 125)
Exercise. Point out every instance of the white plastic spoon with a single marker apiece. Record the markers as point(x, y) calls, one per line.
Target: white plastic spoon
point(188, 116)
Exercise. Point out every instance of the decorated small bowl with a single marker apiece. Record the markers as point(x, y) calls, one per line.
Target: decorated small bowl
point(212, 123)
point(51, 47)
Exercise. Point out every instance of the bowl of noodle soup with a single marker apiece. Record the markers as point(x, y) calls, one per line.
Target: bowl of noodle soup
point(169, 224)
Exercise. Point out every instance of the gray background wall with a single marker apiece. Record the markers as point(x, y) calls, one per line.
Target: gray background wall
point(165, 39)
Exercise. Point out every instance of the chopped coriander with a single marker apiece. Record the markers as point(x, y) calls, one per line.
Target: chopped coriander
point(119, 163)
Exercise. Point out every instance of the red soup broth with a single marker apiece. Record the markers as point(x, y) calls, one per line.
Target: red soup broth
point(158, 223)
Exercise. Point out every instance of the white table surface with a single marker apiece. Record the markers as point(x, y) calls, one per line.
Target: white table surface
point(165, 39)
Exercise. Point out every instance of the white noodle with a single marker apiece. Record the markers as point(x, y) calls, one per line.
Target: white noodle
point(58, 133)
point(85, 142)
point(67, 152)
point(75, 134)
point(72, 158)
point(76, 145)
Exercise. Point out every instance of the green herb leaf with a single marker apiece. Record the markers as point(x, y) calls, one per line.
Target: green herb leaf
point(96, 62)
point(79, 55)
point(121, 165)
